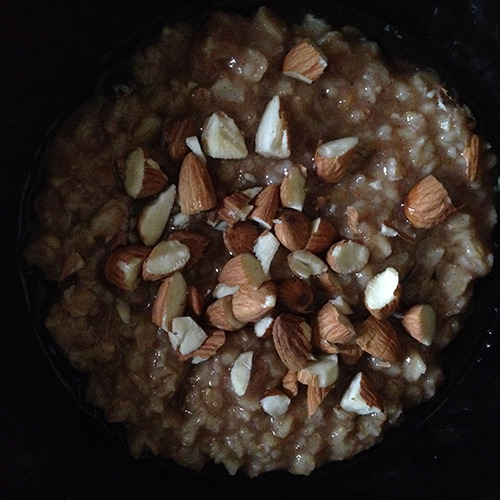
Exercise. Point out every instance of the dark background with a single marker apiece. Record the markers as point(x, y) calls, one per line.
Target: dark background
point(49, 448)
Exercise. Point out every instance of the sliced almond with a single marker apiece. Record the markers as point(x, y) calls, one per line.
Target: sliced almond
point(379, 339)
point(265, 206)
point(186, 335)
point(197, 243)
point(196, 191)
point(175, 135)
point(346, 257)
point(323, 234)
point(241, 371)
point(295, 295)
point(471, 155)
point(123, 267)
point(332, 159)
point(252, 305)
point(322, 372)
point(304, 62)
point(220, 315)
point(235, 207)
point(383, 293)
point(154, 216)
point(263, 327)
point(242, 270)
point(290, 384)
point(195, 301)
point(360, 397)
point(214, 341)
point(165, 259)
point(420, 322)
point(170, 301)
point(265, 248)
point(293, 188)
point(333, 326)
point(305, 264)
point(142, 176)
point(275, 403)
point(315, 396)
point(427, 203)
point(292, 229)
point(240, 237)
point(221, 138)
point(271, 138)
point(73, 263)
point(292, 341)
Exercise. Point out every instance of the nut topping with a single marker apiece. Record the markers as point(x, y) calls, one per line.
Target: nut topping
point(170, 301)
point(271, 138)
point(322, 372)
point(304, 62)
point(420, 322)
point(175, 136)
point(241, 371)
point(323, 234)
point(380, 339)
point(275, 403)
point(305, 264)
point(220, 315)
point(251, 305)
point(293, 188)
point(221, 138)
point(347, 257)
point(124, 265)
point(360, 397)
point(165, 259)
point(333, 159)
point(240, 237)
point(471, 155)
point(382, 293)
point(333, 326)
point(266, 205)
point(242, 270)
point(292, 228)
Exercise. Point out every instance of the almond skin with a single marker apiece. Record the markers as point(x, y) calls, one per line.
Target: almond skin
point(420, 322)
point(240, 237)
point(333, 326)
point(332, 159)
point(266, 205)
point(175, 135)
point(304, 62)
point(471, 155)
point(315, 396)
point(214, 341)
point(242, 270)
point(323, 234)
point(251, 305)
point(196, 242)
point(220, 315)
point(295, 295)
point(235, 207)
point(123, 267)
point(292, 229)
point(379, 339)
point(170, 301)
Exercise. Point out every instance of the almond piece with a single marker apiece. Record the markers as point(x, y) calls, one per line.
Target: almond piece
point(292, 229)
point(350, 353)
point(196, 191)
point(175, 135)
point(196, 242)
point(240, 237)
point(221, 290)
point(251, 305)
point(124, 265)
point(360, 397)
point(214, 341)
point(322, 372)
point(263, 327)
point(292, 341)
point(471, 155)
point(427, 203)
point(293, 188)
point(420, 322)
point(383, 293)
point(242, 270)
point(186, 335)
point(379, 338)
point(275, 403)
point(304, 62)
point(265, 206)
point(170, 301)
point(265, 248)
point(165, 259)
point(241, 371)
point(305, 264)
point(271, 138)
point(221, 138)
point(315, 396)
point(330, 283)
point(332, 159)
point(346, 257)
point(295, 295)
point(195, 301)
point(220, 314)
point(290, 384)
point(193, 144)
point(333, 326)
point(235, 207)
point(143, 176)
point(323, 234)
point(154, 216)
point(73, 263)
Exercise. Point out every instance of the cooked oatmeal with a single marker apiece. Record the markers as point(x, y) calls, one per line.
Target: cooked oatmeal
point(263, 244)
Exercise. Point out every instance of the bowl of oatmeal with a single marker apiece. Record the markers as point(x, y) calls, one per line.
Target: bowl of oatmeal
point(263, 236)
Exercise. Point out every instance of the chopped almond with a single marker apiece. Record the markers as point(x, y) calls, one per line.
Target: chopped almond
point(275, 403)
point(295, 295)
point(360, 397)
point(123, 267)
point(165, 259)
point(271, 139)
point(420, 322)
point(235, 207)
point(266, 205)
point(220, 315)
point(333, 326)
point(242, 270)
point(292, 229)
point(241, 371)
point(305, 264)
point(221, 138)
point(333, 159)
point(380, 339)
point(186, 335)
point(323, 234)
point(293, 188)
point(252, 305)
point(265, 248)
point(304, 62)
point(347, 257)
point(170, 301)
point(322, 372)
point(383, 293)
point(471, 155)
point(315, 396)
point(197, 243)
point(240, 237)
point(175, 136)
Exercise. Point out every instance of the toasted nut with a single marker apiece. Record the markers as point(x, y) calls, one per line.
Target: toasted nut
point(290, 384)
point(323, 234)
point(154, 216)
point(292, 229)
point(427, 203)
point(333, 326)
point(420, 322)
point(315, 396)
point(193, 144)
point(221, 138)
point(332, 159)
point(124, 265)
point(383, 293)
point(73, 263)
point(330, 283)
point(271, 138)
point(242, 270)
point(347, 257)
point(235, 207)
point(380, 339)
point(292, 341)
point(305, 264)
point(221, 290)
point(186, 335)
point(275, 403)
point(165, 259)
point(142, 177)
point(304, 62)
point(195, 301)
point(471, 155)
point(170, 301)
point(240, 237)
point(350, 353)
point(265, 206)
point(175, 136)
point(214, 341)
point(352, 219)
point(196, 191)
point(241, 371)
point(220, 314)
point(196, 242)
point(251, 305)
point(293, 188)
point(263, 327)
point(322, 372)
point(265, 248)
point(295, 295)
point(360, 397)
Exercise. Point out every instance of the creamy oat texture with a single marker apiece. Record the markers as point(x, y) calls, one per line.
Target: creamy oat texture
point(406, 127)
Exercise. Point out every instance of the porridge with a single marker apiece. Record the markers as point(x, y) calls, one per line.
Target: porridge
point(263, 243)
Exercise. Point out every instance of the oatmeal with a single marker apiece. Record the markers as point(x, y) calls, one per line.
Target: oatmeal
point(263, 244)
